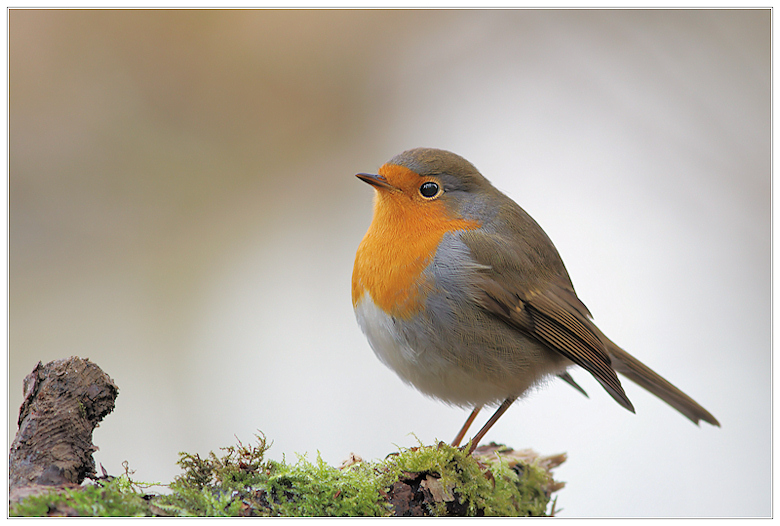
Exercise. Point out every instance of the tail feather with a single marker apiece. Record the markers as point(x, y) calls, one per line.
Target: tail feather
point(642, 375)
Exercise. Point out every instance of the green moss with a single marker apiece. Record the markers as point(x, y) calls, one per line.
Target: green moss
point(316, 489)
point(520, 490)
point(425, 480)
point(219, 486)
point(115, 498)
point(242, 482)
point(489, 485)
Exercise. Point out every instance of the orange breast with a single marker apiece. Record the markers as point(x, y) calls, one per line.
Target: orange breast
point(399, 245)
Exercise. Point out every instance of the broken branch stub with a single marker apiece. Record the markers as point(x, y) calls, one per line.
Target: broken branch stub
point(64, 401)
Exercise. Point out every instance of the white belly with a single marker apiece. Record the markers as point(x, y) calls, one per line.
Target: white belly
point(426, 369)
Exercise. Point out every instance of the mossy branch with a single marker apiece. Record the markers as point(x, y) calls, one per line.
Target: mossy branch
point(437, 480)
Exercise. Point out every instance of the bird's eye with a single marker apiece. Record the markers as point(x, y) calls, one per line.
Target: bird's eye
point(429, 189)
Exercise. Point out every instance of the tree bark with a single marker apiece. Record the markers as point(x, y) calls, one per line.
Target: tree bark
point(64, 401)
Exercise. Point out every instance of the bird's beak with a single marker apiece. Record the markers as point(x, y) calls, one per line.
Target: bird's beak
point(376, 181)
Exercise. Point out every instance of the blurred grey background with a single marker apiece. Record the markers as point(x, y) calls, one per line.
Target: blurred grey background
point(184, 212)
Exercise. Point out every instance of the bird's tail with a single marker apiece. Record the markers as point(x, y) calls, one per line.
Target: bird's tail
point(642, 375)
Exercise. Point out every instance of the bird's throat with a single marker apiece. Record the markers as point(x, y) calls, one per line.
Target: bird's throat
point(399, 245)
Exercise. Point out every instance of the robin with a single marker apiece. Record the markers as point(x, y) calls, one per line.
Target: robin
point(463, 295)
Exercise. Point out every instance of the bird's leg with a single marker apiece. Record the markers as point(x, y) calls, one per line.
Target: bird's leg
point(493, 419)
point(466, 426)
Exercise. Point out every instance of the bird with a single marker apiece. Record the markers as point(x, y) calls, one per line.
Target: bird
point(464, 296)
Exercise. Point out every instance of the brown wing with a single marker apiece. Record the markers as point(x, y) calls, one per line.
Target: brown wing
point(557, 318)
point(523, 281)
